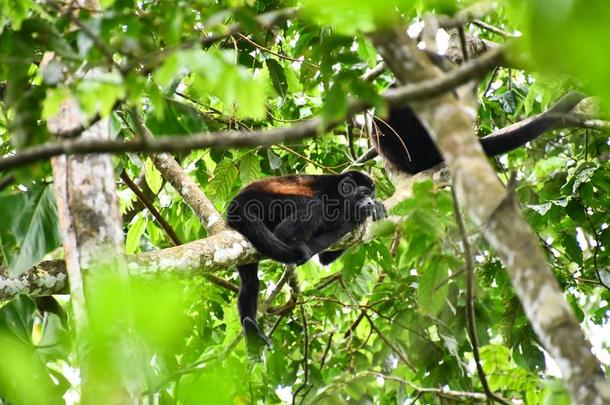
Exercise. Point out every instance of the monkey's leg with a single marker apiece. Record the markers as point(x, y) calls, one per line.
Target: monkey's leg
point(247, 302)
point(297, 229)
point(323, 241)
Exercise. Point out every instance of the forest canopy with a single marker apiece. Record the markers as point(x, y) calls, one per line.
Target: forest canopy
point(127, 127)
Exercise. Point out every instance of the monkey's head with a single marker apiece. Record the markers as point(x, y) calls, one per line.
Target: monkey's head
point(358, 189)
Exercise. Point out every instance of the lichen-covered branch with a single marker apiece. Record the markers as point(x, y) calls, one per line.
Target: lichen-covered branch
point(46, 278)
point(204, 256)
point(485, 200)
point(190, 191)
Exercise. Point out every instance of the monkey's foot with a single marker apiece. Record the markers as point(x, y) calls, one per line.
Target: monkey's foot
point(255, 339)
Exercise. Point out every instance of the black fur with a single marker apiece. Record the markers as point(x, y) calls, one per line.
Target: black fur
point(292, 218)
point(403, 140)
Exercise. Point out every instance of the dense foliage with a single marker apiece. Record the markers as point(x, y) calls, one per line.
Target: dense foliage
point(386, 320)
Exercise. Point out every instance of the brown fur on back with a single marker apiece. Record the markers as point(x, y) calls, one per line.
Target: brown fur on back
point(292, 185)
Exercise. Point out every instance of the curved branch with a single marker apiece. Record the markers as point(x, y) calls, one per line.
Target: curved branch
point(314, 127)
point(190, 191)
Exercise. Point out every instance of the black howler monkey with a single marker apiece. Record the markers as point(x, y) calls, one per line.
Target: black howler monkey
point(292, 218)
point(404, 141)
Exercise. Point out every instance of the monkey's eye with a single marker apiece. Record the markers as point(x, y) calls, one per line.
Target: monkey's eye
point(365, 192)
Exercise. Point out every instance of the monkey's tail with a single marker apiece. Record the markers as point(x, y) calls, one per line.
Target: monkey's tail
point(268, 244)
point(527, 131)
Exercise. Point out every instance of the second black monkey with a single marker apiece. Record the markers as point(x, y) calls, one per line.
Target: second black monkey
point(402, 139)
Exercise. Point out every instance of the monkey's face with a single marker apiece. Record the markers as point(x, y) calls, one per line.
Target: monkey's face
point(358, 190)
point(369, 206)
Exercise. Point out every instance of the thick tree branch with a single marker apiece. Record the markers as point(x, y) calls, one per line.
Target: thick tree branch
point(484, 198)
point(198, 258)
point(314, 127)
point(190, 191)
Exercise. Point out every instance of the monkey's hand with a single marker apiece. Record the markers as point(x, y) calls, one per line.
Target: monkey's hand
point(378, 211)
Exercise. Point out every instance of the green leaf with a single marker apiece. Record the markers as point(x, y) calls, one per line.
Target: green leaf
point(249, 168)
point(14, 12)
point(100, 95)
point(529, 356)
point(335, 103)
point(555, 394)
point(18, 317)
point(24, 378)
point(582, 177)
point(106, 3)
point(575, 211)
point(29, 231)
point(278, 77)
point(224, 178)
point(275, 162)
point(572, 247)
point(250, 96)
point(431, 295)
point(134, 233)
point(366, 50)
point(153, 177)
point(53, 101)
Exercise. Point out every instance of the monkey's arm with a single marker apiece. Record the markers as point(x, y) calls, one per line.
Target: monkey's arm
point(377, 212)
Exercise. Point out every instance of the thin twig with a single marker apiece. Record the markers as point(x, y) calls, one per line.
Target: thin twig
point(151, 208)
point(288, 270)
point(470, 316)
point(262, 48)
point(327, 350)
point(597, 243)
point(221, 282)
point(492, 28)
point(296, 289)
point(305, 158)
point(374, 73)
point(391, 345)
point(366, 156)
point(463, 43)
